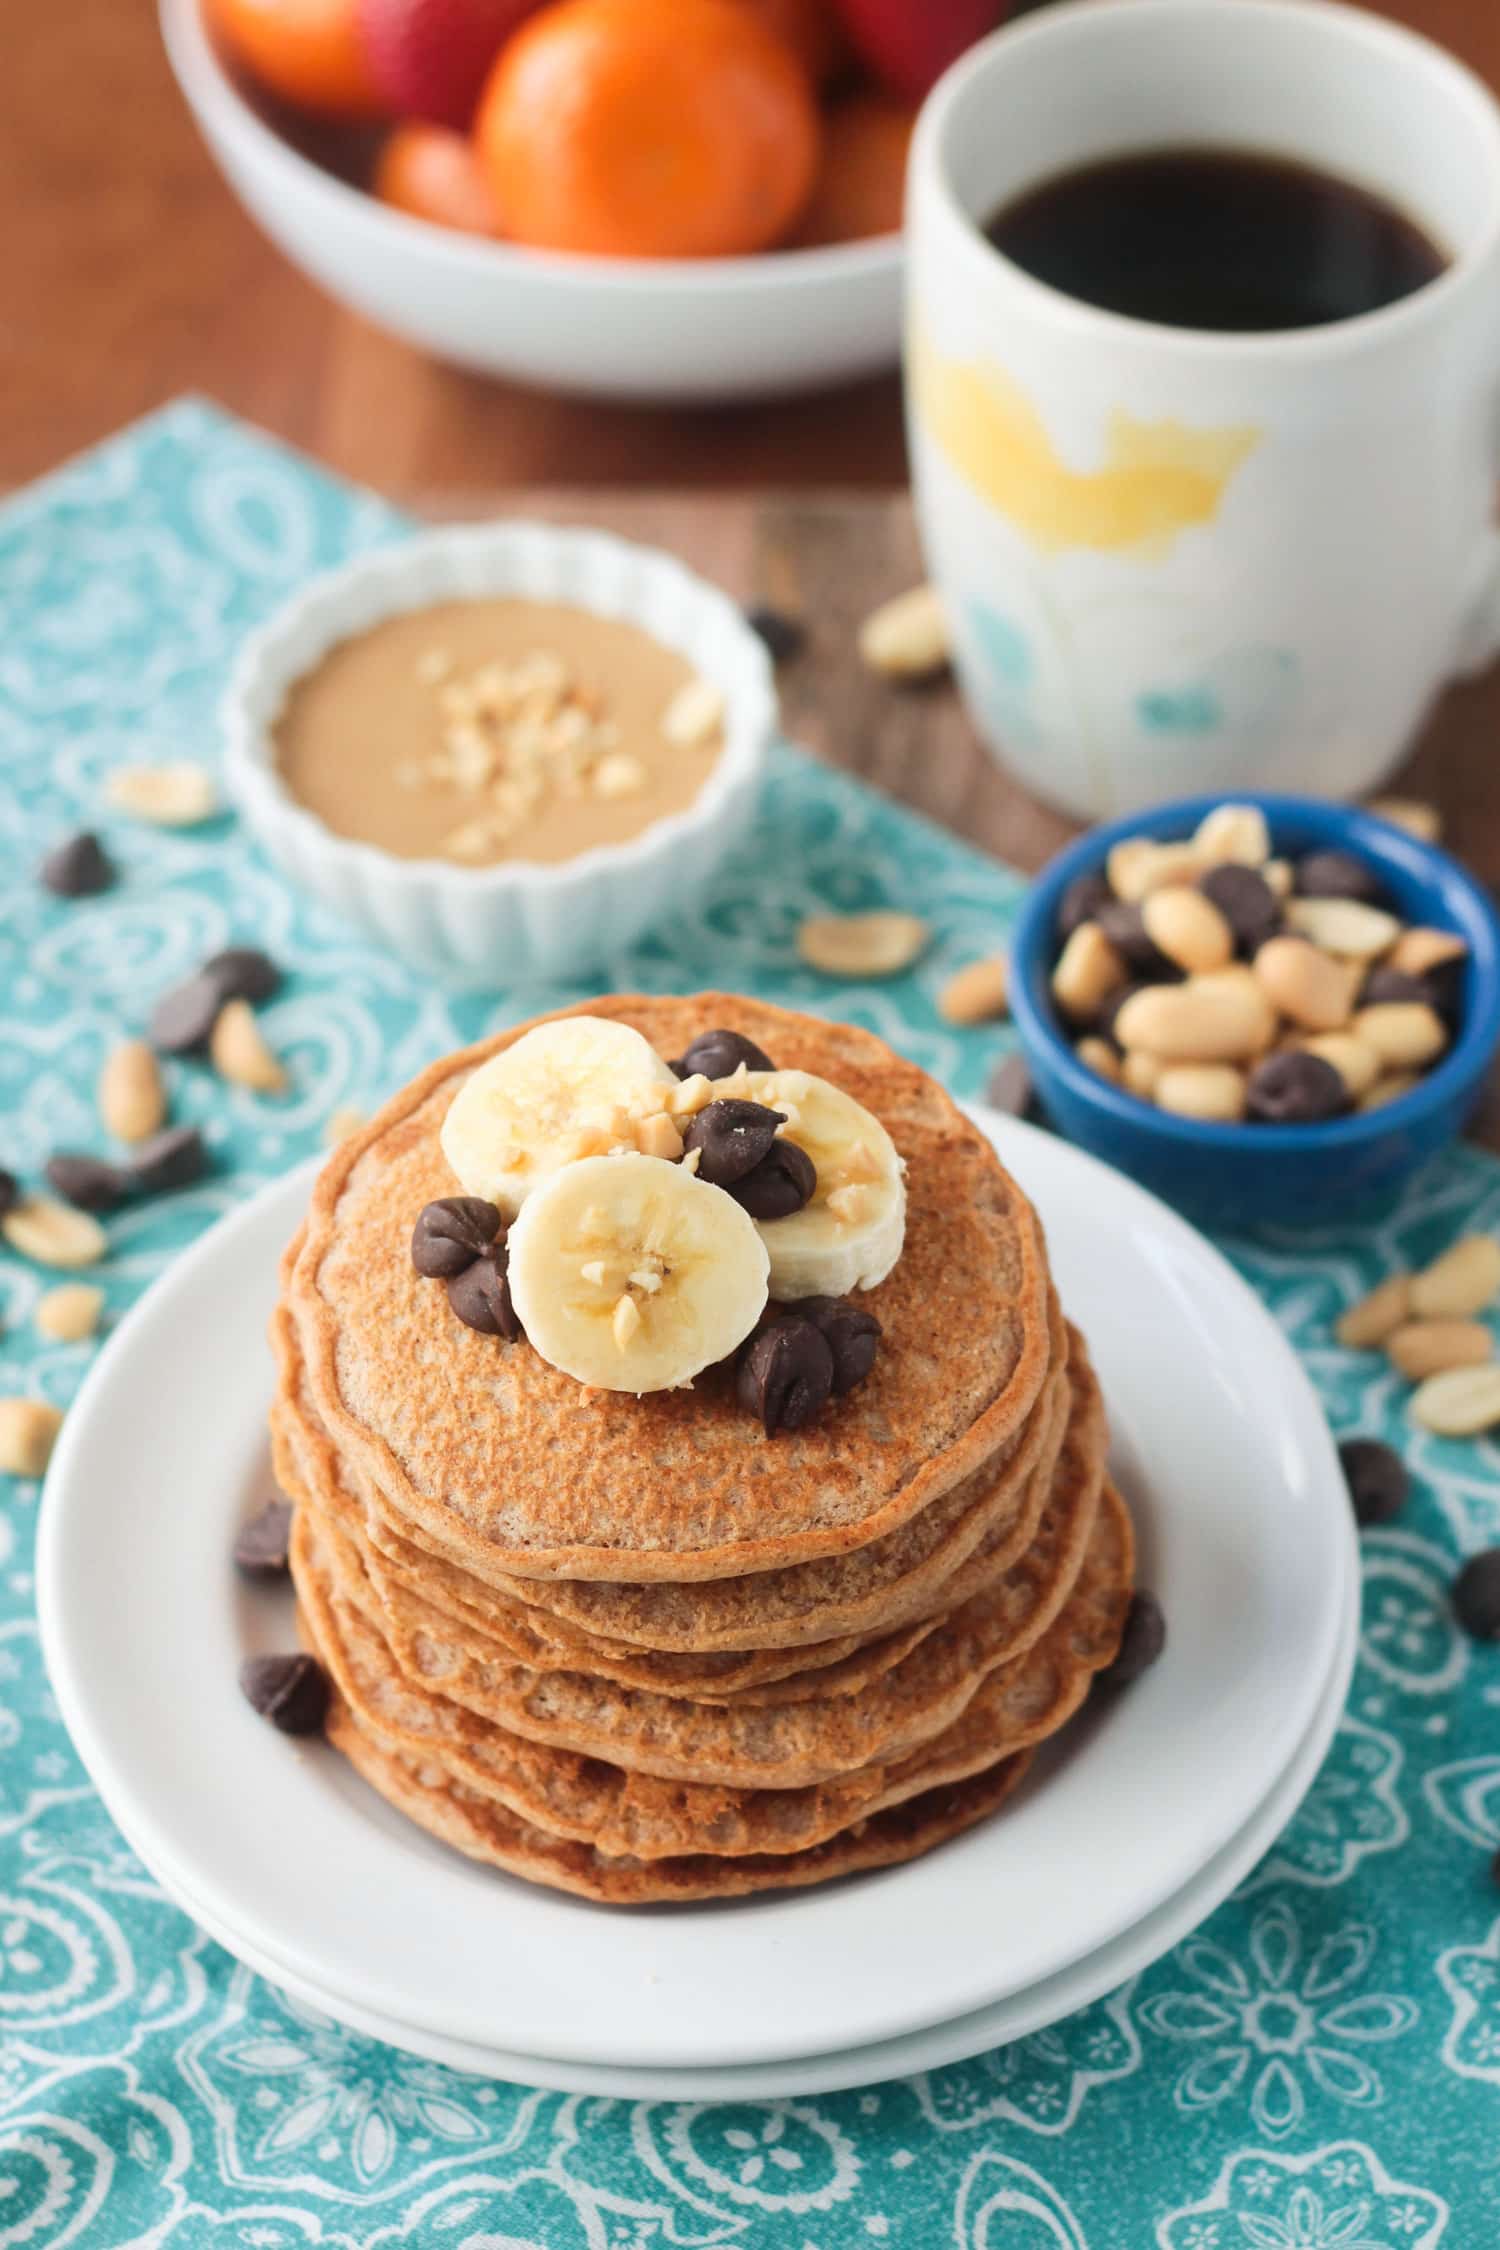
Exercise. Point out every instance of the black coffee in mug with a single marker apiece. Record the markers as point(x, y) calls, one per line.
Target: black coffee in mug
point(1216, 238)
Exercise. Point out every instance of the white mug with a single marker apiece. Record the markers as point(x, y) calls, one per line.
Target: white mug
point(1177, 560)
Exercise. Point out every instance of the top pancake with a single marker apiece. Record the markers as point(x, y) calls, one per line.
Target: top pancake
point(517, 1464)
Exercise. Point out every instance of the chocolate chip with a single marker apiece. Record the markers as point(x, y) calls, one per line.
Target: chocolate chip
point(851, 1334)
point(1141, 1642)
point(88, 1181)
point(1294, 1089)
point(1476, 1595)
point(1393, 984)
point(782, 1182)
point(450, 1234)
point(1495, 1868)
point(10, 1192)
point(170, 1159)
point(264, 1542)
point(719, 1054)
point(290, 1691)
point(784, 636)
point(1246, 901)
point(1377, 1479)
point(1125, 927)
point(78, 867)
point(480, 1295)
point(1337, 875)
point(786, 1374)
point(183, 1018)
point(243, 972)
point(731, 1138)
point(1008, 1087)
point(1109, 1008)
point(1082, 901)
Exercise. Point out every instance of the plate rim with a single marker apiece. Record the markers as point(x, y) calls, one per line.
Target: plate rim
point(911, 2053)
point(897, 2019)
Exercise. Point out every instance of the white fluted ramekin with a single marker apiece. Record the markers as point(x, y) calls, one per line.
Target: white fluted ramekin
point(486, 927)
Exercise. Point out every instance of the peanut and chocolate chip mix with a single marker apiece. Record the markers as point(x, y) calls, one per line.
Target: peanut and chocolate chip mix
point(1223, 982)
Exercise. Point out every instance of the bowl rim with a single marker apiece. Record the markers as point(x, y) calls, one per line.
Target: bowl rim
point(1352, 828)
point(262, 669)
point(208, 87)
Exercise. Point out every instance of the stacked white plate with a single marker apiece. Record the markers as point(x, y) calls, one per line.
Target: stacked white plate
point(1128, 1832)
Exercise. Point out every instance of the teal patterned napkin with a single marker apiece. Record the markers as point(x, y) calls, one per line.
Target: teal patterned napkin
point(1317, 2069)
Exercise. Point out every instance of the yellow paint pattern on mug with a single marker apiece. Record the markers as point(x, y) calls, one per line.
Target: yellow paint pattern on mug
point(1158, 479)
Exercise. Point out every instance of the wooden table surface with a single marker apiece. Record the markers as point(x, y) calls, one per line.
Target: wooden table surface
point(131, 274)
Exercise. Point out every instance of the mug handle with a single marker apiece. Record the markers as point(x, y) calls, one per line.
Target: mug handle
point(1478, 642)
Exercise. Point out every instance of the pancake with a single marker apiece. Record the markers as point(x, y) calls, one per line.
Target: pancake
point(742, 1744)
point(485, 1831)
point(893, 1582)
point(620, 1813)
point(676, 1486)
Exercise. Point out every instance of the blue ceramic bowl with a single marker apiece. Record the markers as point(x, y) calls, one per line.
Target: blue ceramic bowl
point(1246, 1175)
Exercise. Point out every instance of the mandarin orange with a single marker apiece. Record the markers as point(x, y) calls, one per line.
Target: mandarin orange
point(648, 129)
point(861, 179)
point(812, 31)
point(308, 52)
point(432, 173)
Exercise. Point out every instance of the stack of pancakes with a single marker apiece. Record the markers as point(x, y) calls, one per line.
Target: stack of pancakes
point(637, 1649)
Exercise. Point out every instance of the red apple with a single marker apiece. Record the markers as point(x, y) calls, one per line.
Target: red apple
point(429, 58)
point(910, 43)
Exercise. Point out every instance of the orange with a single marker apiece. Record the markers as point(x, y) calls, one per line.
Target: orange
point(431, 173)
point(862, 177)
point(307, 51)
point(812, 31)
point(647, 129)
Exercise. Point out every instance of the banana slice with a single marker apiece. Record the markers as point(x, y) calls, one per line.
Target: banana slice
point(632, 1275)
point(851, 1233)
point(569, 1089)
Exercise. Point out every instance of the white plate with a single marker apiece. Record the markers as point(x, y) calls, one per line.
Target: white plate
point(1221, 1447)
point(996, 2026)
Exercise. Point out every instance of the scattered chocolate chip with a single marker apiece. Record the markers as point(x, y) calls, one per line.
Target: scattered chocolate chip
point(1476, 1595)
point(1384, 983)
point(480, 1295)
point(782, 1182)
point(1377, 1479)
point(784, 636)
point(1008, 1087)
point(1295, 1089)
point(1495, 1868)
point(731, 1138)
point(1082, 901)
point(183, 1018)
point(170, 1159)
point(10, 1192)
point(1125, 927)
point(78, 867)
point(88, 1181)
point(718, 1054)
point(264, 1542)
point(1141, 1642)
point(851, 1334)
point(1246, 901)
point(243, 972)
point(786, 1374)
point(451, 1233)
point(1337, 875)
point(290, 1691)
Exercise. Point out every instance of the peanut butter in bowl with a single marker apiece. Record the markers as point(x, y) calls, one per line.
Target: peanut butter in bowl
point(496, 729)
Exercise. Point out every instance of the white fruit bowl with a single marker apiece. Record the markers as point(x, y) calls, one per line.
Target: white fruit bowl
point(700, 329)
